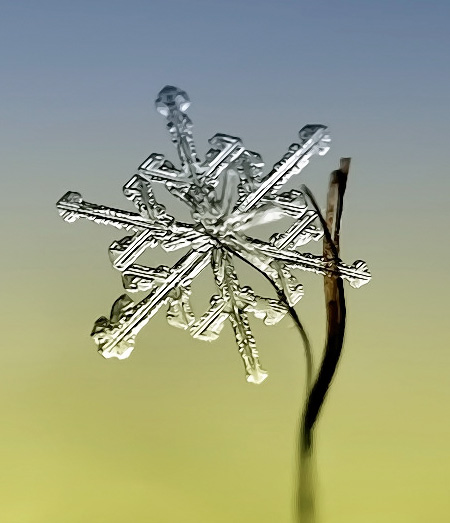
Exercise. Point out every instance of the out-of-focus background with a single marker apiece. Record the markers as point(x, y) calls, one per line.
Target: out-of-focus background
point(174, 433)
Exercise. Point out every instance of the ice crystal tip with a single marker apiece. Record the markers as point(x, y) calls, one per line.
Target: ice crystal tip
point(257, 377)
point(170, 98)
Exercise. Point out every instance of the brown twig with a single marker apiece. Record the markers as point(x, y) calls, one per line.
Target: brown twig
point(336, 315)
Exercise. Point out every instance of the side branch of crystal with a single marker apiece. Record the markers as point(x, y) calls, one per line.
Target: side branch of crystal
point(116, 337)
point(227, 194)
point(313, 140)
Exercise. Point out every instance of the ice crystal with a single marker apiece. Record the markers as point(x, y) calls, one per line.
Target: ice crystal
point(227, 194)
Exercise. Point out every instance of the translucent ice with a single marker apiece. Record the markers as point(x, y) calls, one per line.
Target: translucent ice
point(227, 195)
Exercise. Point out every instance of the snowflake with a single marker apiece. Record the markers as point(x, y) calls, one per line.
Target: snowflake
point(227, 194)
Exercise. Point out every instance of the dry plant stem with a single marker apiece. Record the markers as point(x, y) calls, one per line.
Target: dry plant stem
point(336, 315)
point(334, 302)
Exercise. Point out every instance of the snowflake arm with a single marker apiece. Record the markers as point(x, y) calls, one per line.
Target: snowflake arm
point(236, 301)
point(115, 338)
point(313, 140)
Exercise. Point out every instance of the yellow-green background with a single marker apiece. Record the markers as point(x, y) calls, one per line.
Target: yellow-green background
point(175, 434)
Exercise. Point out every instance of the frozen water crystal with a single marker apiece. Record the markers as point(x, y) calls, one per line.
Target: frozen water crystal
point(227, 194)
point(172, 99)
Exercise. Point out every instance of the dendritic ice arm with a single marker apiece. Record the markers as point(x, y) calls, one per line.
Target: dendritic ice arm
point(195, 184)
point(71, 207)
point(139, 190)
point(150, 231)
point(236, 301)
point(210, 325)
point(300, 233)
point(303, 230)
point(279, 273)
point(179, 314)
point(172, 103)
point(306, 226)
point(116, 337)
point(140, 278)
point(357, 274)
point(314, 139)
point(225, 151)
point(269, 259)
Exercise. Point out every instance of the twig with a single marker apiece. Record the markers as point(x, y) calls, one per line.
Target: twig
point(336, 315)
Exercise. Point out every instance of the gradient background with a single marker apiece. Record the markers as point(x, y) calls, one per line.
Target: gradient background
point(175, 434)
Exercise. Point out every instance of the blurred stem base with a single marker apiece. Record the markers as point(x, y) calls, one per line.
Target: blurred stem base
point(306, 499)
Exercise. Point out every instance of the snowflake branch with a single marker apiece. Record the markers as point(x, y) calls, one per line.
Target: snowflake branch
point(292, 312)
point(227, 282)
